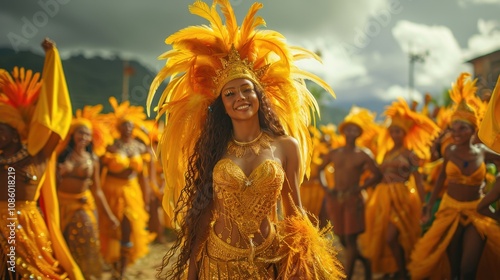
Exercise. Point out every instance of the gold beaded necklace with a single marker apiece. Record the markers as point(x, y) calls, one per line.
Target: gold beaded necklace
point(18, 156)
point(239, 149)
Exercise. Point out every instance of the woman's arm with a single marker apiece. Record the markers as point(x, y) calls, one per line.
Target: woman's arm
point(290, 191)
point(490, 155)
point(54, 138)
point(99, 195)
point(492, 196)
point(426, 211)
point(372, 166)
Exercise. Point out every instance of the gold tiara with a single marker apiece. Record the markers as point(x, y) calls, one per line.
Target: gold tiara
point(234, 67)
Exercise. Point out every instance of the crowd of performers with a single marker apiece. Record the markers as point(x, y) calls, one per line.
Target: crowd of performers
point(406, 192)
point(83, 190)
point(404, 195)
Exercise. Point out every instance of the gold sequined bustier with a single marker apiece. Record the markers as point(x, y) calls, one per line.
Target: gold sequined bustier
point(244, 202)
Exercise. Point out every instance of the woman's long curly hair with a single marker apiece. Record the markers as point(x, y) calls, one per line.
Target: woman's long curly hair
point(198, 191)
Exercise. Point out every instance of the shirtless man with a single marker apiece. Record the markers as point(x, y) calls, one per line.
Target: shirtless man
point(344, 204)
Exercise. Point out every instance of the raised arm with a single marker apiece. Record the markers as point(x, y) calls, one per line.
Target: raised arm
point(53, 113)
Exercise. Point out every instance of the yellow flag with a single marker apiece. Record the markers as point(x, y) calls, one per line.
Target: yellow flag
point(53, 111)
point(489, 129)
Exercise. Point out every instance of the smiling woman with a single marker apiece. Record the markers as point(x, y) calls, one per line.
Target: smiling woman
point(235, 145)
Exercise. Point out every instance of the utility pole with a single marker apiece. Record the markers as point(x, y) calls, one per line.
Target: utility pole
point(414, 57)
point(127, 72)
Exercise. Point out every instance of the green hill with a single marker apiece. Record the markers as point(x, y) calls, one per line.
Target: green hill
point(90, 81)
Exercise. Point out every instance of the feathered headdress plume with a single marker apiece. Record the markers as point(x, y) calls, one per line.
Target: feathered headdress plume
point(204, 58)
point(420, 129)
point(91, 117)
point(18, 94)
point(365, 120)
point(125, 112)
point(463, 94)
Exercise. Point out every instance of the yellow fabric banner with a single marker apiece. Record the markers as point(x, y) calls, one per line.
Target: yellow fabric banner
point(489, 129)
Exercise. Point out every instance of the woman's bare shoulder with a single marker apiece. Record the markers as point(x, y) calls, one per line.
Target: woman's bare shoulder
point(286, 142)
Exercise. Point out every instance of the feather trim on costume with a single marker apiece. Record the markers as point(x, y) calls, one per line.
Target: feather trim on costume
point(309, 251)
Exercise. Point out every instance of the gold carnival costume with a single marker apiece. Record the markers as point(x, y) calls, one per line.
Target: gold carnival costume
point(202, 61)
point(396, 202)
point(79, 227)
point(429, 258)
point(125, 197)
point(78, 210)
point(36, 110)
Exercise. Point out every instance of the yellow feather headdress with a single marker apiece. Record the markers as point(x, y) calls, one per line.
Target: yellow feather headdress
point(90, 117)
point(204, 58)
point(365, 120)
point(18, 95)
point(463, 94)
point(126, 112)
point(420, 129)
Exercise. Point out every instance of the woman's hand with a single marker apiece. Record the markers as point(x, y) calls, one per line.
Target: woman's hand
point(114, 221)
point(48, 44)
point(426, 214)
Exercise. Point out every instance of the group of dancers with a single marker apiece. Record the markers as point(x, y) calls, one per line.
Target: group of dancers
point(405, 193)
point(80, 186)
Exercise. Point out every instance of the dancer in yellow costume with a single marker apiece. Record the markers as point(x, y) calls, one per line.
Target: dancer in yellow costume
point(345, 205)
point(236, 142)
point(461, 243)
point(34, 117)
point(78, 186)
point(431, 168)
point(393, 210)
point(126, 188)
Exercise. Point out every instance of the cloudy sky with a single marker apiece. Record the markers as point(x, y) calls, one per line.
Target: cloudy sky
point(365, 44)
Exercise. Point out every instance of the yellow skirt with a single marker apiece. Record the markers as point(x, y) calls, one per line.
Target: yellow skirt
point(429, 258)
point(79, 227)
point(29, 244)
point(294, 248)
point(395, 203)
point(126, 201)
